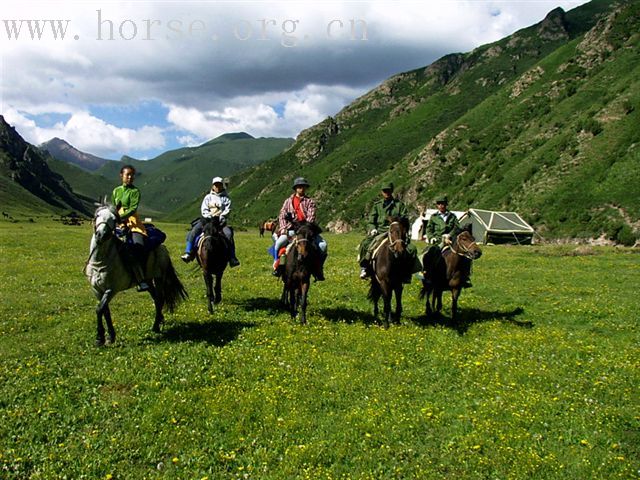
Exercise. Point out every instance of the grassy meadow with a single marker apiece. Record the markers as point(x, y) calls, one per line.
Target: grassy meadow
point(538, 380)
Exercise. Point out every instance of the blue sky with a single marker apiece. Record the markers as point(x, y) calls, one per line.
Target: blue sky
point(180, 73)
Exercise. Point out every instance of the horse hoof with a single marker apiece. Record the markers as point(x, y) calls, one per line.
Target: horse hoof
point(99, 342)
point(155, 328)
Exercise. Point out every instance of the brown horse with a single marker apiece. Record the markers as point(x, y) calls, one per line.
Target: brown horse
point(448, 270)
point(302, 260)
point(214, 252)
point(390, 264)
point(267, 226)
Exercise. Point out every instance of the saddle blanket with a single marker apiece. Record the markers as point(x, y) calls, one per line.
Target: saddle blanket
point(154, 238)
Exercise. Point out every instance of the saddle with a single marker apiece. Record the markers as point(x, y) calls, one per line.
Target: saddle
point(154, 238)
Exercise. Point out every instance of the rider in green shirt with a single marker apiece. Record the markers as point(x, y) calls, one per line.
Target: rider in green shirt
point(442, 225)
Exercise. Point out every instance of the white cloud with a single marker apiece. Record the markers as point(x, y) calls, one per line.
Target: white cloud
point(229, 84)
point(89, 134)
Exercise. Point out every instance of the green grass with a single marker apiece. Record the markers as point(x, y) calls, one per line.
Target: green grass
point(539, 379)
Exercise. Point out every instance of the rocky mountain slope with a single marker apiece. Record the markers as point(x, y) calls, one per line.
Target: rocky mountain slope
point(27, 183)
point(543, 122)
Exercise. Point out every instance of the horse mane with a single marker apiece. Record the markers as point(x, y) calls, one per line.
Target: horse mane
point(404, 221)
point(212, 226)
point(308, 229)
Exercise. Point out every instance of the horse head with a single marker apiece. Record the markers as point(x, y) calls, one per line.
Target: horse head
point(465, 244)
point(398, 234)
point(213, 226)
point(303, 238)
point(105, 220)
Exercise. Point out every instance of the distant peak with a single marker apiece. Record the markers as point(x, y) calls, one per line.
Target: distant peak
point(235, 136)
point(55, 141)
point(554, 25)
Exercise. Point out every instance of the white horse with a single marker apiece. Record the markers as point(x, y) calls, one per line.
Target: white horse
point(108, 274)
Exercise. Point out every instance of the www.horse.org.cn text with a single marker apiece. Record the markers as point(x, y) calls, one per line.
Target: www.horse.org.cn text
point(289, 32)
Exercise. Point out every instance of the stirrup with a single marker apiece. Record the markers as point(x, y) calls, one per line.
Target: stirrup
point(234, 262)
point(143, 287)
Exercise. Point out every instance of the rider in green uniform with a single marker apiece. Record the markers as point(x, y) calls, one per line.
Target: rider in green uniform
point(377, 227)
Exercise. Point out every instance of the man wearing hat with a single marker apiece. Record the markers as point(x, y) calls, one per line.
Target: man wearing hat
point(300, 208)
point(377, 227)
point(215, 204)
point(442, 224)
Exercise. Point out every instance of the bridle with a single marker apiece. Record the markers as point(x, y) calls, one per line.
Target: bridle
point(392, 242)
point(466, 253)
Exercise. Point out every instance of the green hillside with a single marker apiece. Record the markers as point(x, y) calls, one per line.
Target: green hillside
point(177, 176)
point(541, 122)
point(28, 187)
point(84, 183)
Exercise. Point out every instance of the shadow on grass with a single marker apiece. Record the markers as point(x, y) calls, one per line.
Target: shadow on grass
point(272, 305)
point(212, 332)
point(347, 315)
point(471, 316)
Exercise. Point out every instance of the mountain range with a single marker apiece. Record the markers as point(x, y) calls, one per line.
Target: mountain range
point(543, 122)
point(62, 150)
point(176, 176)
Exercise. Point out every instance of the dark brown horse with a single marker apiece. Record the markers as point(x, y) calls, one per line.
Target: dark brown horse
point(214, 252)
point(267, 226)
point(390, 264)
point(448, 270)
point(302, 260)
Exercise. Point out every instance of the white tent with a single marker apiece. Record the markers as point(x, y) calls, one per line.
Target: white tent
point(498, 227)
point(417, 225)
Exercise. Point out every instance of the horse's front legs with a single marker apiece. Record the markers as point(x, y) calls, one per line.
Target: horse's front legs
point(218, 289)
point(386, 315)
point(455, 293)
point(398, 314)
point(208, 281)
point(103, 309)
point(304, 290)
point(158, 302)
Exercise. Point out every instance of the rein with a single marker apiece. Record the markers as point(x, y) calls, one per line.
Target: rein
point(393, 242)
point(86, 263)
point(466, 253)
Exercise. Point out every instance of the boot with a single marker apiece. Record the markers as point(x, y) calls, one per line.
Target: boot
point(136, 264)
point(187, 256)
point(233, 261)
point(319, 274)
point(364, 269)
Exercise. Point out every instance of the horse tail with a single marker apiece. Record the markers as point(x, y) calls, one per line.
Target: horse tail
point(169, 286)
point(374, 290)
point(423, 292)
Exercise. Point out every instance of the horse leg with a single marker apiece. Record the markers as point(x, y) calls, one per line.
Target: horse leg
point(100, 309)
point(386, 315)
point(428, 297)
point(386, 300)
point(375, 296)
point(285, 295)
point(112, 331)
point(437, 301)
point(455, 293)
point(208, 281)
point(158, 302)
point(293, 304)
point(303, 303)
point(218, 288)
point(398, 314)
